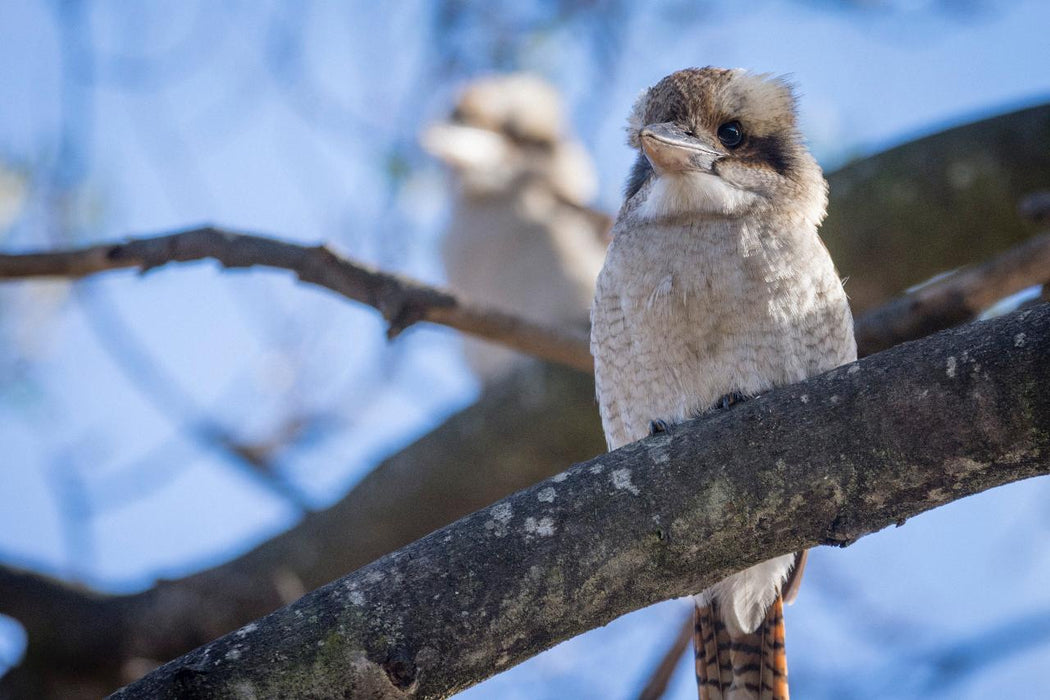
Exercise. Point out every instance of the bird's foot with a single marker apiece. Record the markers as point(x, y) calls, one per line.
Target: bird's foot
point(727, 401)
point(658, 426)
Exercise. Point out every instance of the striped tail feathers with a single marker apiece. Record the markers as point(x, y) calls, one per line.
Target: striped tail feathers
point(774, 662)
point(746, 666)
point(714, 670)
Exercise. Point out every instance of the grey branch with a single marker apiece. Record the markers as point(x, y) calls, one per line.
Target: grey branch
point(556, 426)
point(401, 301)
point(822, 462)
point(956, 298)
point(109, 640)
point(938, 203)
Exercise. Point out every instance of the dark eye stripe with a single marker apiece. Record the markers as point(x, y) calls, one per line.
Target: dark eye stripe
point(771, 149)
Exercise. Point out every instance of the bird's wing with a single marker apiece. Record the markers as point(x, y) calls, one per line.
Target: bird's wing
point(610, 345)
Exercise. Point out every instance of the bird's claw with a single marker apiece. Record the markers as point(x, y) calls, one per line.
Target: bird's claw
point(727, 401)
point(657, 426)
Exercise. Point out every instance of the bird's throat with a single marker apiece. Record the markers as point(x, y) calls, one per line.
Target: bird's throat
point(677, 195)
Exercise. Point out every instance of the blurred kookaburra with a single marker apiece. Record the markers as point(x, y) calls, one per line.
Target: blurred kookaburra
point(716, 287)
point(520, 238)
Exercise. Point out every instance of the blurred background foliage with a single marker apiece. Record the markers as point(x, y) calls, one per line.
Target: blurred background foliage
point(153, 427)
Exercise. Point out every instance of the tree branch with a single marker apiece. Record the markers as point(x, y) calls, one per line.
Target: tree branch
point(445, 474)
point(937, 203)
point(955, 298)
point(425, 486)
point(401, 301)
point(821, 462)
point(656, 686)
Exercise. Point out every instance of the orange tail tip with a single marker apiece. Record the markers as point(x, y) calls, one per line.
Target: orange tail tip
point(745, 667)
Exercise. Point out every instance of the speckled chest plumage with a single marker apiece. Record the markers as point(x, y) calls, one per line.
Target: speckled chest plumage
point(694, 310)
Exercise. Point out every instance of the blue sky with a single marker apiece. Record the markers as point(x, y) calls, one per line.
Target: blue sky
point(234, 136)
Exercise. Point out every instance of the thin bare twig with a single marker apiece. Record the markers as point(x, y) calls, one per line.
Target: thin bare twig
point(135, 361)
point(661, 676)
point(402, 301)
point(956, 298)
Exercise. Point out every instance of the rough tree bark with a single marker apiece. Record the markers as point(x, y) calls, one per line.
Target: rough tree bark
point(822, 462)
point(537, 421)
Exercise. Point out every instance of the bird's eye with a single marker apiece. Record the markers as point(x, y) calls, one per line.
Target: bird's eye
point(730, 134)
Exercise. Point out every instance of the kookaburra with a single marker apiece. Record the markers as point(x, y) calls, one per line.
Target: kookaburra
point(716, 287)
point(520, 238)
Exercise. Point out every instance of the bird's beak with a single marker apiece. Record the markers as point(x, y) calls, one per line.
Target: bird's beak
point(464, 147)
point(671, 150)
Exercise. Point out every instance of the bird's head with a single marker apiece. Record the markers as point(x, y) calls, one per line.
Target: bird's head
point(508, 127)
point(725, 143)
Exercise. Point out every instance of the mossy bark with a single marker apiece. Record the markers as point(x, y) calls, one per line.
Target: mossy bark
point(825, 461)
